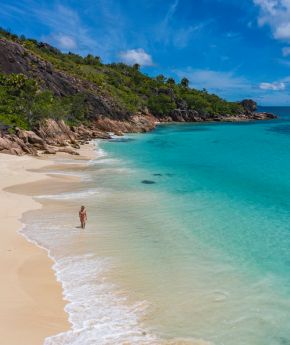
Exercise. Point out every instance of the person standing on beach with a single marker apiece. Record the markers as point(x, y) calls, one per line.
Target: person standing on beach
point(83, 217)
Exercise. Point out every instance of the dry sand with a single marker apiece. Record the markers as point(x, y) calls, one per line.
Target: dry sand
point(32, 306)
point(31, 301)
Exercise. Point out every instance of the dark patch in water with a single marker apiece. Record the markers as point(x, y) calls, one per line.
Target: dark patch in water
point(200, 128)
point(284, 341)
point(161, 143)
point(169, 175)
point(281, 129)
point(121, 140)
point(148, 182)
point(157, 174)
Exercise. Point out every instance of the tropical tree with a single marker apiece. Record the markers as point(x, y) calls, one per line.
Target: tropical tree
point(184, 82)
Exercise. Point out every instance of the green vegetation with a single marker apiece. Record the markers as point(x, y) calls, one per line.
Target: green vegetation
point(23, 103)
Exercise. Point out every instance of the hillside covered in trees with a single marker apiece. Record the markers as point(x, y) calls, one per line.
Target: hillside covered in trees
point(26, 97)
point(38, 82)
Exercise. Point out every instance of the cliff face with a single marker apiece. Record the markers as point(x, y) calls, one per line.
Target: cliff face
point(14, 58)
point(105, 113)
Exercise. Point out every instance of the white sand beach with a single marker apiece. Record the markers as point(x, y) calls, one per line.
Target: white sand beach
point(32, 306)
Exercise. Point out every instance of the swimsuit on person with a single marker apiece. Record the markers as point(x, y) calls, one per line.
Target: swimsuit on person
point(82, 215)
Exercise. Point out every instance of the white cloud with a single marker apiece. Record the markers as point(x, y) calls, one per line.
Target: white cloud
point(65, 42)
point(169, 31)
point(275, 93)
point(170, 13)
point(286, 51)
point(276, 14)
point(224, 83)
point(282, 31)
point(163, 33)
point(283, 62)
point(228, 85)
point(181, 37)
point(210, 79)
point(233, 35)
point(276, 86)
point(273, 98)
point(102, 40)
point(68, 31)
point(138, 56)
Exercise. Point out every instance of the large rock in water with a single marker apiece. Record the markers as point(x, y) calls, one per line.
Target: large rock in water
point(249, 105)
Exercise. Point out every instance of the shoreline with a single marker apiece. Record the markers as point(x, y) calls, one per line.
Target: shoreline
point(33, 305)
point(108, 288)
point(57, 137)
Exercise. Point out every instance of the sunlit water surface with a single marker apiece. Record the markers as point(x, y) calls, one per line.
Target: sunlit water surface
point(188, 237)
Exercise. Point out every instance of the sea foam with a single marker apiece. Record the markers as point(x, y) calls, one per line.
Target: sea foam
point(99, 314)
point(98, 311)
point(68, 196)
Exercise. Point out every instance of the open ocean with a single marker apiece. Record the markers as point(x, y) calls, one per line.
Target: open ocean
point(188, 239)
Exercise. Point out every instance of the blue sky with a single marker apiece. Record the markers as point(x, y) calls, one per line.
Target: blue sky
point(235, 48)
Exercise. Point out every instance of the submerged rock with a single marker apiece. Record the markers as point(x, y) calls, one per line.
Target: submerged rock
point(148, 182)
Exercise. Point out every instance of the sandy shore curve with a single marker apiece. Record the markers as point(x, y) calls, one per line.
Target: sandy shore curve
point(32, 306)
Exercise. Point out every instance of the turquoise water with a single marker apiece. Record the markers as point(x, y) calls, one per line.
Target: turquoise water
point(187, 241)
point(210, 227)
point(234, 177)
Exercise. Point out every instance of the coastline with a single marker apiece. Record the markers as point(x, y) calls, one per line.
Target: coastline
point(97, 308)
point(32, 304)
point(40, 315)
point(117, 306)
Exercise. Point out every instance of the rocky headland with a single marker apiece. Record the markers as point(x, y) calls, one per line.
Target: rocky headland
point(106, 114)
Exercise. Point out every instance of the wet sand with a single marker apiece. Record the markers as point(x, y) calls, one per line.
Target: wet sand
point(32, 306)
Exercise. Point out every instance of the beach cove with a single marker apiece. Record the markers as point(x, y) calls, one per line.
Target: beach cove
point(145, 172)
point(186, 241)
